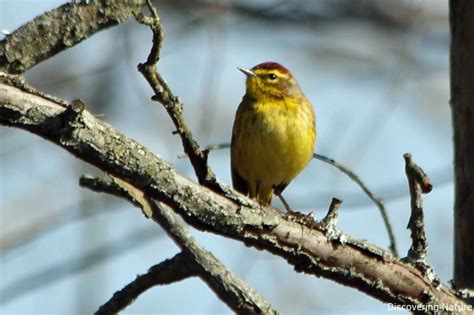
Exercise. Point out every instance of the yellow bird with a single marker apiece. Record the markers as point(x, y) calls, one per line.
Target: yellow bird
point(274, 133)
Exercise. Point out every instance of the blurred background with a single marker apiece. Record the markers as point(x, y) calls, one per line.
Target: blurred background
point(377, 74)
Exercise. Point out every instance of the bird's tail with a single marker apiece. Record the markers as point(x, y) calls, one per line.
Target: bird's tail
point(265, 195)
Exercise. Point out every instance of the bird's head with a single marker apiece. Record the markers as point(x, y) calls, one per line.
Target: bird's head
point(270, 79)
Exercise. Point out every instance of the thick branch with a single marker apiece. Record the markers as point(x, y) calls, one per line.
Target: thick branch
point(59, 29)
point(302, 243)
point(228, 287)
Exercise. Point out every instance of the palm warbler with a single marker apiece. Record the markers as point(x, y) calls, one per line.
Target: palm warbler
point(274, 133)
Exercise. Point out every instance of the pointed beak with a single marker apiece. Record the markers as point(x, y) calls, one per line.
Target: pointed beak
point(247, 72)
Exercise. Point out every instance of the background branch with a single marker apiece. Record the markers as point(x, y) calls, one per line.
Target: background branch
point(60, 29)
point(61, 270)
point(50, 222)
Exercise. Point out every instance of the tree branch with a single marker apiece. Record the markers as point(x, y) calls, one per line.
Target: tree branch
point(353, 176)
point(169, 271)
point(376, 199)
point(173, 104)
point(302, 242)
point(229, 288)
point(47, 223)
point(60, 29)
point(331, 217)
point(418, 182)
point(174, 108)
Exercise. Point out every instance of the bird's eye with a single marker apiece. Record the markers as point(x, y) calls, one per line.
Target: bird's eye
point(272, 76)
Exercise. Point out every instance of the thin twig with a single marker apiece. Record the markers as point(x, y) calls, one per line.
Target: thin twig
point(169, 271)
point(377, 200)
point(328, 223)
point(344, 169)
point(211, 147)
point(331, 217)
point(50, 222)
point(173, 104)
point(419, 183)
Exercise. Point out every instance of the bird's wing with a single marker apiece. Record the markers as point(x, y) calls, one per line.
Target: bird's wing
point(238, 182)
